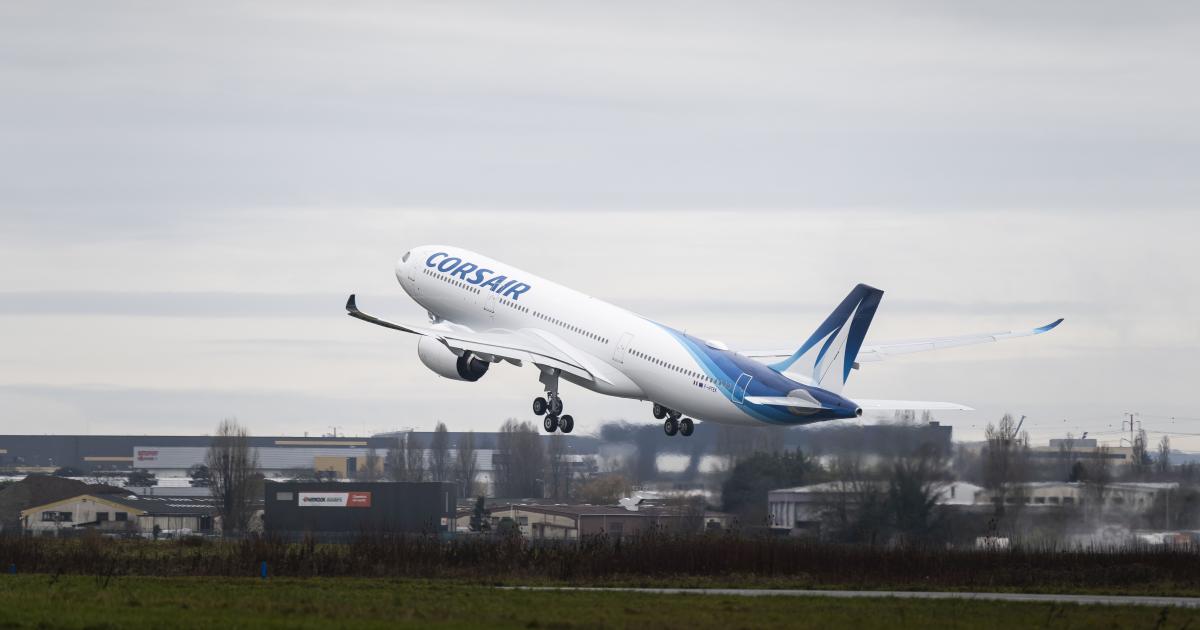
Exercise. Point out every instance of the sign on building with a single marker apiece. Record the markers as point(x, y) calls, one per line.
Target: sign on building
point(335, 499)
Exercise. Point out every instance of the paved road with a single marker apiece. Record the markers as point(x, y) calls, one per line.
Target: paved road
point(1107, 600)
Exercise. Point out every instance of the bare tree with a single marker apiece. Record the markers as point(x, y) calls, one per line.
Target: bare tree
point(1098, 475)
point(1005, 459)
point(466, 467)
point(519, 460)
point(1164, 455)
point(439, 454)
point(1141, 458)
point(372, 466)
point(604, 489)
point(233, 468)
point(395, 466)
point(914, 490)
point(414, 458)
point(558, 468)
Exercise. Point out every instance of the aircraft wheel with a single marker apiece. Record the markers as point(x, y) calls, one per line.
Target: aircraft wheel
point(550, 423)
point(539, 406)
point(556, 405)
point(566, 423)
point(671, 426)
point(660, 411)
point(686, 426)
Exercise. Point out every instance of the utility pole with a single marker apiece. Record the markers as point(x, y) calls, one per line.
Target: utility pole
point(1131, 415)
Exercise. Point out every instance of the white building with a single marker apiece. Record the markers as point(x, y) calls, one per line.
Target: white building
point(802, 508)
point(122, 514)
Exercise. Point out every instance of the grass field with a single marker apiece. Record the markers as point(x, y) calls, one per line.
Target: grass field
point(42, 601)
point(657, 560)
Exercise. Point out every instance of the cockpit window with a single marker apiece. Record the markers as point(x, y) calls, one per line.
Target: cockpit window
point(404, 258)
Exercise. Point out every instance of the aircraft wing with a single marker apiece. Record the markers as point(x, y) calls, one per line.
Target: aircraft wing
point(881, 351)
point(516, 347)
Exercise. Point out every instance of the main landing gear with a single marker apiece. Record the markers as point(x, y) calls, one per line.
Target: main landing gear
point(673, 423)
point(550, 407)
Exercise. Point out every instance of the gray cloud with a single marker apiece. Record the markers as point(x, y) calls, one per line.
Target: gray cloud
point(117, 112)
point(190, 191)
point(170, 304)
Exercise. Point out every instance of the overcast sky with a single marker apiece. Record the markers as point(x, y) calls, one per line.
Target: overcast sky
point(188, 193)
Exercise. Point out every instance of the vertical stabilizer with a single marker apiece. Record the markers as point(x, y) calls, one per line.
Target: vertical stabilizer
point(828, 355)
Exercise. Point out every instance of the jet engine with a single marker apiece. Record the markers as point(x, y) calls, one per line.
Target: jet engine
point(442, 360)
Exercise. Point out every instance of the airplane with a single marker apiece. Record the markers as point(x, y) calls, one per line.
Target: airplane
point(484, 312)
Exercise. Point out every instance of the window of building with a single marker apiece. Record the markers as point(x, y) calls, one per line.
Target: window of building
point(1039, 500)
point(283, 496)
point(523, 520)
point(1069, 500)
point(52, 516)
point(101, 517)
point(121, 516)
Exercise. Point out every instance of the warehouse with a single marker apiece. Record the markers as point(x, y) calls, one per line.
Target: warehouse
point(339, 511)
point(122, 514)
point(571, 522)
point(273, 461)
point(45, 453)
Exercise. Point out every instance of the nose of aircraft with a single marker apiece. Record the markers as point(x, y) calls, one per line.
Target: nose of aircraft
point(402, 266)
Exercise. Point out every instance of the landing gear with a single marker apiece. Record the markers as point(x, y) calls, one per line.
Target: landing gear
point(660, 411)
point(552, 409)
point(551, 423)
point(552, 406)
point(683, 427)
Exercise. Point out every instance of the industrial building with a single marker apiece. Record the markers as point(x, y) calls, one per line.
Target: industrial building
point(91, 453)
point(802, 508)
point(279, 457)
point(344, 462)
point(572, 522)
point(122, 514)
point(339, 511)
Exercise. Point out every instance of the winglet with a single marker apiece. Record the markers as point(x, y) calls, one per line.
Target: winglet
point(352, 308)
point(1037, 331)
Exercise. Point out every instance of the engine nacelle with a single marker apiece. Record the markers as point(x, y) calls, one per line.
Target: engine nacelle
point(442, 360)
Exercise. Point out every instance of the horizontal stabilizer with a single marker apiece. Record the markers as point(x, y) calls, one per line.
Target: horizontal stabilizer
point(783, 401)
point(905, 405)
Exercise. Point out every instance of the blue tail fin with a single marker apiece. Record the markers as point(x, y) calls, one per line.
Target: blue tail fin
point(828, 355)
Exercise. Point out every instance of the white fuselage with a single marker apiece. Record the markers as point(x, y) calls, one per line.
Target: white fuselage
point(635, 357)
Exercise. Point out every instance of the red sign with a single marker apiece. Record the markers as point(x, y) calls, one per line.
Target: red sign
point(147, 456)
point(359, 500)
